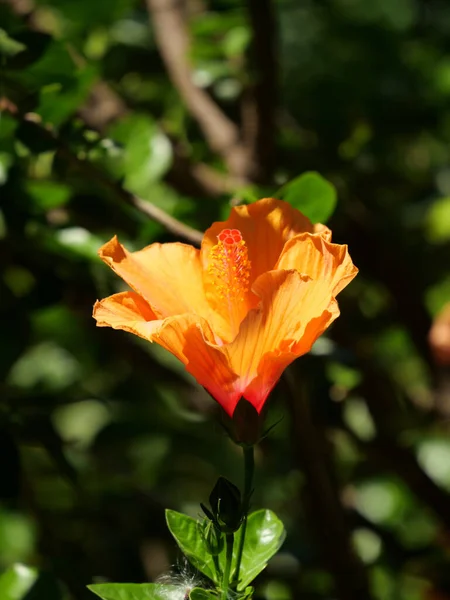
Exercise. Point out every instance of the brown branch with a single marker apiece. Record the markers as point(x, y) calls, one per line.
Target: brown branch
point(105, 106)
point(172, 37)
point(260, 99)
point(322, 499)
point(92, 172)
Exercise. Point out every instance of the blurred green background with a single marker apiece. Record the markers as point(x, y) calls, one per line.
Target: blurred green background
point(111, 108)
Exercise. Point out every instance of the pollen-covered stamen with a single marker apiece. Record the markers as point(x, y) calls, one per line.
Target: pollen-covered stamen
point(228, 278)
point(229, 266)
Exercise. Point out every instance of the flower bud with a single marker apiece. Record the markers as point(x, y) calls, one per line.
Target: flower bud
point(226, 506)
point(245, 425)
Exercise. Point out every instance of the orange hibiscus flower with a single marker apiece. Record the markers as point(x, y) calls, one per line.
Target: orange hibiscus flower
point(237, 312)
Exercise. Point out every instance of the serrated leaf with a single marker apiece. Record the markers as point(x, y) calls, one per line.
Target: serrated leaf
point(137, 591)
point(16, 582)
point(313, 195)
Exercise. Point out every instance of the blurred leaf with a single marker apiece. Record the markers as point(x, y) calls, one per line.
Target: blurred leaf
point(9, 46)
point(79, 240)
point(135, 591)
point(236, 41)
point(48, 194)
point(368, 545)
point(82, 15)
point(6, 160)
point(17, 536)
point(434, 457)
point(35, 44)
point(437, 296)
point(438, 221)
point(57, 101)
point(313, 195)
point(55, 65)
point(147, 152)
point(17, 582)
point(46, 366)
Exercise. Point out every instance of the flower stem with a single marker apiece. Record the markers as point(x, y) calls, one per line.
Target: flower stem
point(249, 469)
point(228, 559)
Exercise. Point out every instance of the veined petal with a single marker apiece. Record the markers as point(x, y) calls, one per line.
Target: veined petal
point(127, 311)
point(294, 311)
point(192, 342)
point(318, 258)
point(265, 226)
point(324, 231)
point(187, 337)
point(168, 276)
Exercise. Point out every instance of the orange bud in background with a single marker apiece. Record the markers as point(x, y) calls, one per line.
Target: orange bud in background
point(439, 337)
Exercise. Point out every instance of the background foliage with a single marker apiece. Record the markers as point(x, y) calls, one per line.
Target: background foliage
point(114, 122)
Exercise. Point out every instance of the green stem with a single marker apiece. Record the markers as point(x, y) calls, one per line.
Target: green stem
point(227, 570)
point(249, 469)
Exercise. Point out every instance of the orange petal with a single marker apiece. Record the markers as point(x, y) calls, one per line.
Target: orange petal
point(318, 258)
point(188, 338)
point(127, 311)
point(323, 230)
point(265, 226)
point(294, 312)
point(192, 342)
point(168, 276)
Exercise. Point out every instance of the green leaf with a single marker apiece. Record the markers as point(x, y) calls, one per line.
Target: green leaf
point(16, 582)
point(135, 591)
point(187, 534)
point(48, 194)
point(147, 152)
point(8, 46)
point(313, 195)
point(264, 537)
point(265, 534)
point(236, 41)
point(438, 221)
point(201, 594)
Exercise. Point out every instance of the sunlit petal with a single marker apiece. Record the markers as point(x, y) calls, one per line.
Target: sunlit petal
point(192, 343)
point(127, 311)
point(168, 276)
point(318, 258)
point(265, 226)
point(294, 311)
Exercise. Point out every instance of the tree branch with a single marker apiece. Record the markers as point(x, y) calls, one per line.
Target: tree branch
point(104, 106)
point(172, 37)
point(155, 213)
